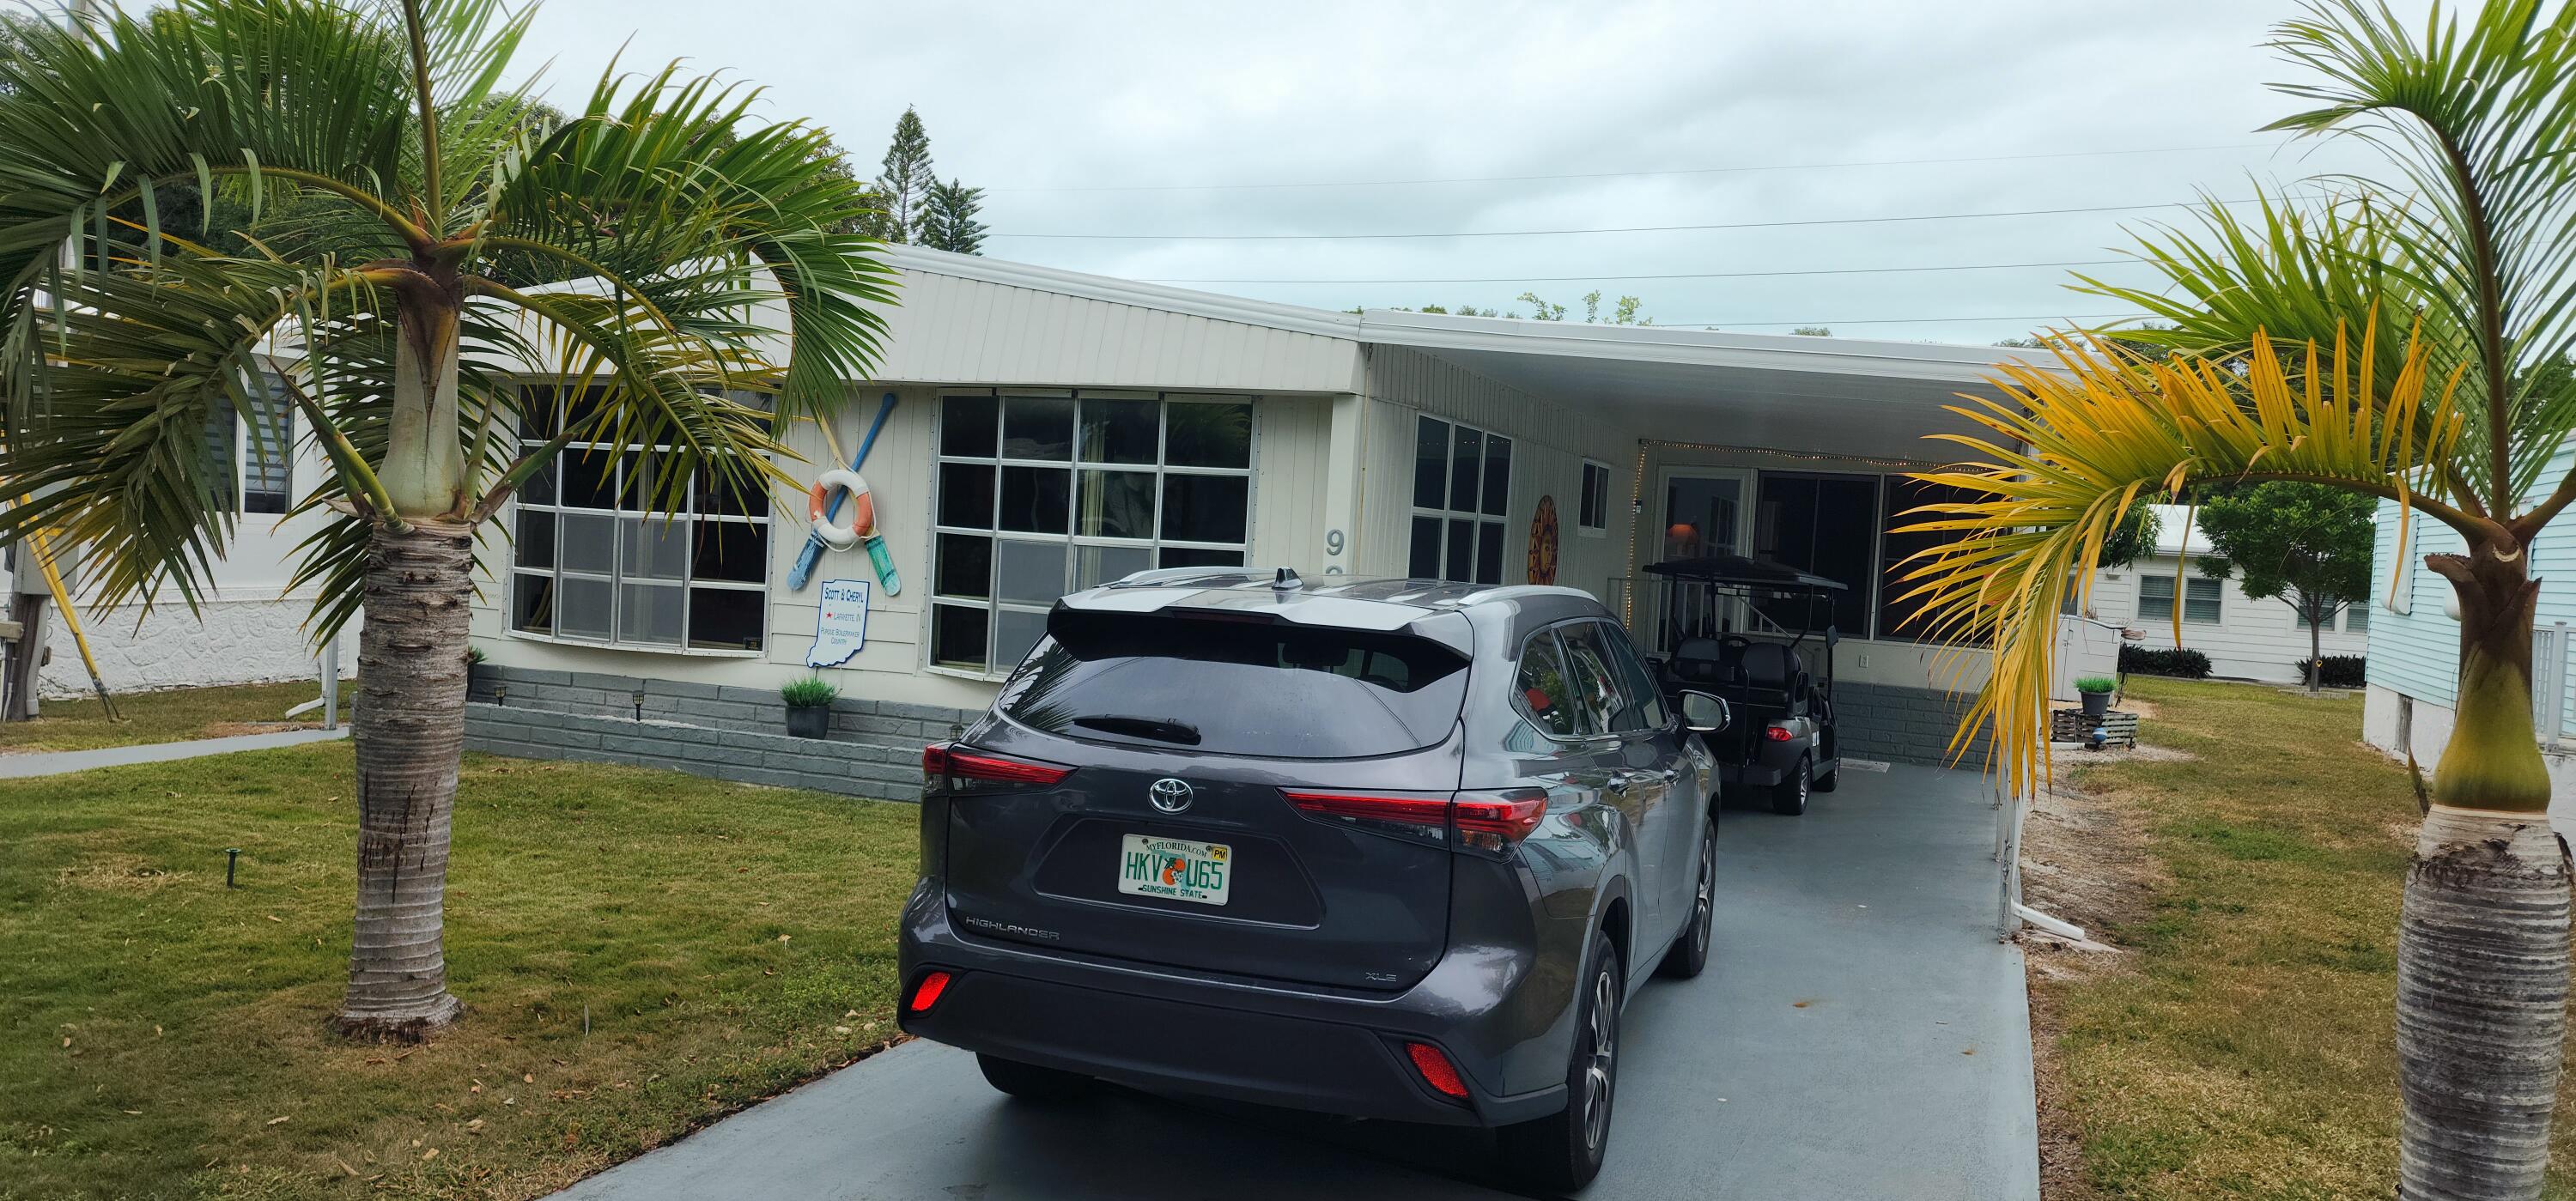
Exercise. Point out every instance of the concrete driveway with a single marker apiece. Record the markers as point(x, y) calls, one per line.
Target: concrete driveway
point(1861, 1034)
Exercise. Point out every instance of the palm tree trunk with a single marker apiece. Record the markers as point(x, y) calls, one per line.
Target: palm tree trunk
point(410, 730)
point(2316, 652)
point(2482, 955)
point(410, 726)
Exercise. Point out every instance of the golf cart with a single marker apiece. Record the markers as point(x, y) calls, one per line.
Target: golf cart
point(1745, 630)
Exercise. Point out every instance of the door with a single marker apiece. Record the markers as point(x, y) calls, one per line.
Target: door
point(1656, 749)
point(1704, 514)
point(1625, 718)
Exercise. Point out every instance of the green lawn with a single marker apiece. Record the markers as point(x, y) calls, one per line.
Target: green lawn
point(639, 951)
point(2243, 1044)
point(168, 716)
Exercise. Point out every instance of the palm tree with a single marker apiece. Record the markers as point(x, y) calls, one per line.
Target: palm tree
point(418, 230)
point(2384, 340)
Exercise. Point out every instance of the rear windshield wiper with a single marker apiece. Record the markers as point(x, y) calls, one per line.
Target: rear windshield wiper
point(1158, 729)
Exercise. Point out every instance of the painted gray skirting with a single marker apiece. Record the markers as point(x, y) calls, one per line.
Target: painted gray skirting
point(1905, 725)
point(720, 731)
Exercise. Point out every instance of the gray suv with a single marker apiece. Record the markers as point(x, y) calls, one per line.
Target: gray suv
point(1393, 849)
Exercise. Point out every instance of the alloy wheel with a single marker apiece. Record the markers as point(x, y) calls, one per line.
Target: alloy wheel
point(1598, 1078)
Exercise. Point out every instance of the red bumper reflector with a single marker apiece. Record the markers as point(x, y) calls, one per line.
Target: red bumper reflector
point(926, 993)
point(1436, 1070)
point(1777, 733)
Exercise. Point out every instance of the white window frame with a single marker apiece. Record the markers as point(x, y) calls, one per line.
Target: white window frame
point(1476, 518)
point(237, 487)
point(1583, 496)
point(2182, 596)
point(615, 577)
point(1073, 465)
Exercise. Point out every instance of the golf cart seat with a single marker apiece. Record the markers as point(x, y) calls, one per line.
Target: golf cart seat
point(1772, 668)
point(1700, 663)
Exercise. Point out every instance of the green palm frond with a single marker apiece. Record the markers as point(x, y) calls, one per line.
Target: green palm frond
point(661, 246)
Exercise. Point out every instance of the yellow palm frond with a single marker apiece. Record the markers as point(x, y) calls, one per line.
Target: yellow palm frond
point(2073, 445)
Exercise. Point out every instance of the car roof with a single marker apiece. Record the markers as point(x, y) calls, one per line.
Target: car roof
point(1384, 604)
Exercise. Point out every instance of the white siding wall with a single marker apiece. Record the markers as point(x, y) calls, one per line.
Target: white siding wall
point(1549, 443)
point(2253, 640)
point(251, 630)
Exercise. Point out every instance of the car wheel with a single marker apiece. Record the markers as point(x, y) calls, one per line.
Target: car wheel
point(1563, 1151)
point(1789, 799)
point(1029, 1082)
point(1690, 951)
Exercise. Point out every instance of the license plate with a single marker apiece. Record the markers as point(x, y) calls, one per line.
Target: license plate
point(1176, 868)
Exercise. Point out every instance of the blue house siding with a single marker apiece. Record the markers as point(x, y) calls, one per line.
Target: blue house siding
point(2418, 652)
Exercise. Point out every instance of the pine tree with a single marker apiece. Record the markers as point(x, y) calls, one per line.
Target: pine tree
point(948, 219)
point(905, 180)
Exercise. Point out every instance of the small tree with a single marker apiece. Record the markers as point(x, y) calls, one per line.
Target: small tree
point(904, 180)
point(948, 223)
point(2305, 545)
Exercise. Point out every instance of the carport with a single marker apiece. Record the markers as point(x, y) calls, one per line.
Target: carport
point(1862, 1034)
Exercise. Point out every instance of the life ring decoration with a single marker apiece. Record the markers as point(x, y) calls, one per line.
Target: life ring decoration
point(1542, 542)
point(863, 509)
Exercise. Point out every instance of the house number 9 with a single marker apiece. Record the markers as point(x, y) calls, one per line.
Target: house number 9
point(1332, 542)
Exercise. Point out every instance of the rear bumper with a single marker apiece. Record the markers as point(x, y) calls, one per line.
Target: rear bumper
point(1156, 1029)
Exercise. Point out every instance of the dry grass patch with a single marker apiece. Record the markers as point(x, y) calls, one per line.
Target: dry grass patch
point(168, 716)
point(2240, 1044)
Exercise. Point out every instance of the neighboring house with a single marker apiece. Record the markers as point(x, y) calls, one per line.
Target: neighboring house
point(248, 629)
point(2245, 638)
point(1055, 430)
point(2415, 646)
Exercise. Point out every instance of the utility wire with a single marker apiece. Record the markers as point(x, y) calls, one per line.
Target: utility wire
point(1565, 279)
point(1630, 229)
point(1386, 183)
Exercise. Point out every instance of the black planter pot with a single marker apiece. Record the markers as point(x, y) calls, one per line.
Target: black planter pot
point(810, 722)
point(2095, 704)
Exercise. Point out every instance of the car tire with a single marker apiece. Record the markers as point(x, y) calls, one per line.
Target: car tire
point(1563, 1151)
point(1029, 1082)
point(1689, 954)
point(1789, 798)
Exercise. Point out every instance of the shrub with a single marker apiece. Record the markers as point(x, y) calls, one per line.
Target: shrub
point(2337, 671)
point(2097, 684)
point(2147, 661)
point(808, 693)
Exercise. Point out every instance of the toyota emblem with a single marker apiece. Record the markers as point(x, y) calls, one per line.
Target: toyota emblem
point(1170, 795)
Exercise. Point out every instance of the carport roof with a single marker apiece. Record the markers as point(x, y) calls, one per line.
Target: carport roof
point(1864, 396)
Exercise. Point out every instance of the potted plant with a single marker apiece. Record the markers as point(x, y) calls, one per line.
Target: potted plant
point(809, 706)
point(2096, 691)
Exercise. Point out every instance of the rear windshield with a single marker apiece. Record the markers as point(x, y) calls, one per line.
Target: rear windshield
point(1237, 688)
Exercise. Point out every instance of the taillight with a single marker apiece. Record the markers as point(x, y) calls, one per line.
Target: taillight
point(1436, 1070)
point(1777, 733)
point(945, 765)
point(926, 993)
point(1484, 821)
point(1498, 821)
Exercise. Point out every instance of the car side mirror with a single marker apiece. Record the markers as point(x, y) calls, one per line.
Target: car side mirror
point(1705, 712)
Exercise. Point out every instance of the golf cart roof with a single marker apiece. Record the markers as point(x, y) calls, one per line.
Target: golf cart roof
point(1738, 571)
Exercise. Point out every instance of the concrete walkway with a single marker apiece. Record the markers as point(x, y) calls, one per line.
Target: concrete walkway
point(55, 763)
point(1861, 1036)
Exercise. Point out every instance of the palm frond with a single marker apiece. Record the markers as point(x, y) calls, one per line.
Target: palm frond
point(2073, 446)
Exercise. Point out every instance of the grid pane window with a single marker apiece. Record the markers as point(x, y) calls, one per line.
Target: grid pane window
point(1462, 486)
point(593, 562)
point(1041, 494)
point(250, 448)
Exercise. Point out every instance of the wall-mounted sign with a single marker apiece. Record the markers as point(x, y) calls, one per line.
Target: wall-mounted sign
point(841, 626)
point(1542, 544)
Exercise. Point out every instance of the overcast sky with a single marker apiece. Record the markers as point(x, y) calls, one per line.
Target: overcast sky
point(1126, 118)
